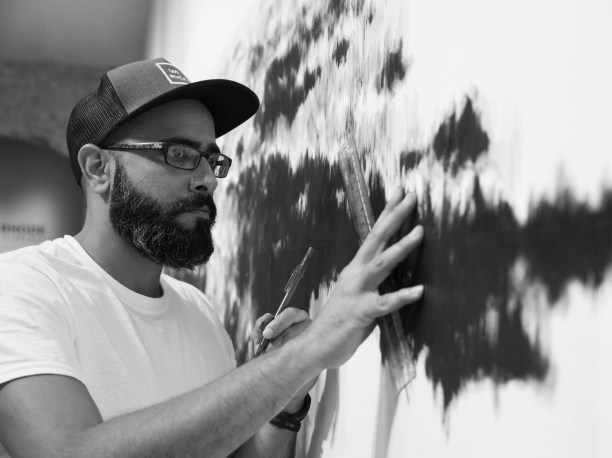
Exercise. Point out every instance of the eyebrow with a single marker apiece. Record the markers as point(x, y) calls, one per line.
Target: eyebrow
point(210, 148)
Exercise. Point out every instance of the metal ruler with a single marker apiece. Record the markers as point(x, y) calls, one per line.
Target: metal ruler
point(394, 344)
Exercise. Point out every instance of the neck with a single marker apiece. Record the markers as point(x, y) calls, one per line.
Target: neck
point(120, 260)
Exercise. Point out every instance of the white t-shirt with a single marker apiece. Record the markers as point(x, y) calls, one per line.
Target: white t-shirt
point(61, 313)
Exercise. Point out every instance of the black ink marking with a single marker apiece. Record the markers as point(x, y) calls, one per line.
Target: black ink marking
point(283, 94)
point(409, 160)
point(339, 8)
point(566, 240)
point(470, 323)
point(339, 54)
point(310, 79)
point(308, 35)
point(458, 142)
point(239, 149)
point(394, 69)
point(256, 54)
point(472, 318)
point(283, 212)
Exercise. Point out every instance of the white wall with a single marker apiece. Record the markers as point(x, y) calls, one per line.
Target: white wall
point(541, 74)
point(196, 35)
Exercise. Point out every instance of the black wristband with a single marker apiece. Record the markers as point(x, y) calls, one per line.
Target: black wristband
point(292, 421)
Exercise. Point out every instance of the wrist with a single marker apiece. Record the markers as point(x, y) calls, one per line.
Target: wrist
point(292, 421)
point(302, 352)
point(295, 405)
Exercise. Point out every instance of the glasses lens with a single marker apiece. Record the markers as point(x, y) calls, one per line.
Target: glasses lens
point(219, 164)
point(183, 156)
point(187, 157)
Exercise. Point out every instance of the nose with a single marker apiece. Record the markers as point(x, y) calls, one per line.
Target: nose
point(203, 179)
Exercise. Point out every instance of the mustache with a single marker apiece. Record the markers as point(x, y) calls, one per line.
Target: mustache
point(195, 202)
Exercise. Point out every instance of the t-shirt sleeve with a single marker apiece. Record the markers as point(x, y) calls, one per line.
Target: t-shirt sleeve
point(35, 328)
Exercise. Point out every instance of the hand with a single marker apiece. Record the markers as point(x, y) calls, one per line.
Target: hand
point(288, 324)
point(350, 312)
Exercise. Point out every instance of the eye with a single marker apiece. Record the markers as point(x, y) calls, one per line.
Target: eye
point(178, 152)
point(213, 160)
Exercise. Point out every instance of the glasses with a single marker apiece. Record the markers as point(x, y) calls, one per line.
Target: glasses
point(181, 156)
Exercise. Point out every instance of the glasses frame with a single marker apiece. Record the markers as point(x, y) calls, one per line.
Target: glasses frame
point(165, 147)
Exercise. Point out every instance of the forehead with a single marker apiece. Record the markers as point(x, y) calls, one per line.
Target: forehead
point(180, 118)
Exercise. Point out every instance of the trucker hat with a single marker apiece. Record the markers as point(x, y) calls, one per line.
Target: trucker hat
point(127, 91)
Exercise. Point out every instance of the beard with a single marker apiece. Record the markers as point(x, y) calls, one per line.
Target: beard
point(151, 228)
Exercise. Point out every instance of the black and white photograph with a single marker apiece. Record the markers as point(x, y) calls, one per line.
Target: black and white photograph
point(306, 228)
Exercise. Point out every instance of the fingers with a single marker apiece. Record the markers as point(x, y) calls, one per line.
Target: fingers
point(394, 215)
point(382, 265)
point(260, 325)
point(396, 198)
point(283, 321)
point(387, 303)
point(396, 211)
point(290, 333)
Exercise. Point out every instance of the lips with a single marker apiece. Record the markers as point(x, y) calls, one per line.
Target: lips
point(203, 209)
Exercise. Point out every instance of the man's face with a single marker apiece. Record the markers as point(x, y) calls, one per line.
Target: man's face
point(152, 228)
point(165, 213)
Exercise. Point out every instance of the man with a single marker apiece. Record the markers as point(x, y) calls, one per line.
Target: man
point(103, 355)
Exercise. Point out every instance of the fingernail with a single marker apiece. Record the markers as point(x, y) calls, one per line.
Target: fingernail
point(267, 333)
point(417, 291)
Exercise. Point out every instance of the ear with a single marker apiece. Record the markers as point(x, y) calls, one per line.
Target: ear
point(95, 164)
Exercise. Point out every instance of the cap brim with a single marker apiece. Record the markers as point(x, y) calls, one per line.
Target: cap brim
point(230, 103)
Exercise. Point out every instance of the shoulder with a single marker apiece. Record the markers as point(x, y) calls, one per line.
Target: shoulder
point(33, 297)
point(33, 263)
point(39, 276)
point(37, 328)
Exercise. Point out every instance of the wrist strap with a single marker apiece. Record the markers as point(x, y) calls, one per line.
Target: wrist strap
point(292, 421)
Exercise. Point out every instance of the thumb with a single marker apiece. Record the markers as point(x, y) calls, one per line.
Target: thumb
point(260, 325)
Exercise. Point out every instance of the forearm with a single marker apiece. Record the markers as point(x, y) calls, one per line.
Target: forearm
point(271, 441)
point(211, 421)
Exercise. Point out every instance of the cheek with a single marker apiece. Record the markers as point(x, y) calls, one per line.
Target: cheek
point(156, 179)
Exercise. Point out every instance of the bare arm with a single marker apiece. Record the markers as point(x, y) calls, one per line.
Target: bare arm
point(49, 416)
point(270, 441)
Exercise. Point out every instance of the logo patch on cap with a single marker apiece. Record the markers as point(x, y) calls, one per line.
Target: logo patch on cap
point(172, 74)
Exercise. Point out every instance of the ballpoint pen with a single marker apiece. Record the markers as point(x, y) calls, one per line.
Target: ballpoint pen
point(295, 278)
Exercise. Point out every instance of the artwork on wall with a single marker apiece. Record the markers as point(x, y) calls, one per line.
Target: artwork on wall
point(497, 120)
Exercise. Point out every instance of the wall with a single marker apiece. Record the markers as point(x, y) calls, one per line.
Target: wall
point(497, 115)
point(38, 197)
point(82, 32)
point(51, 55)
point(36, 100)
